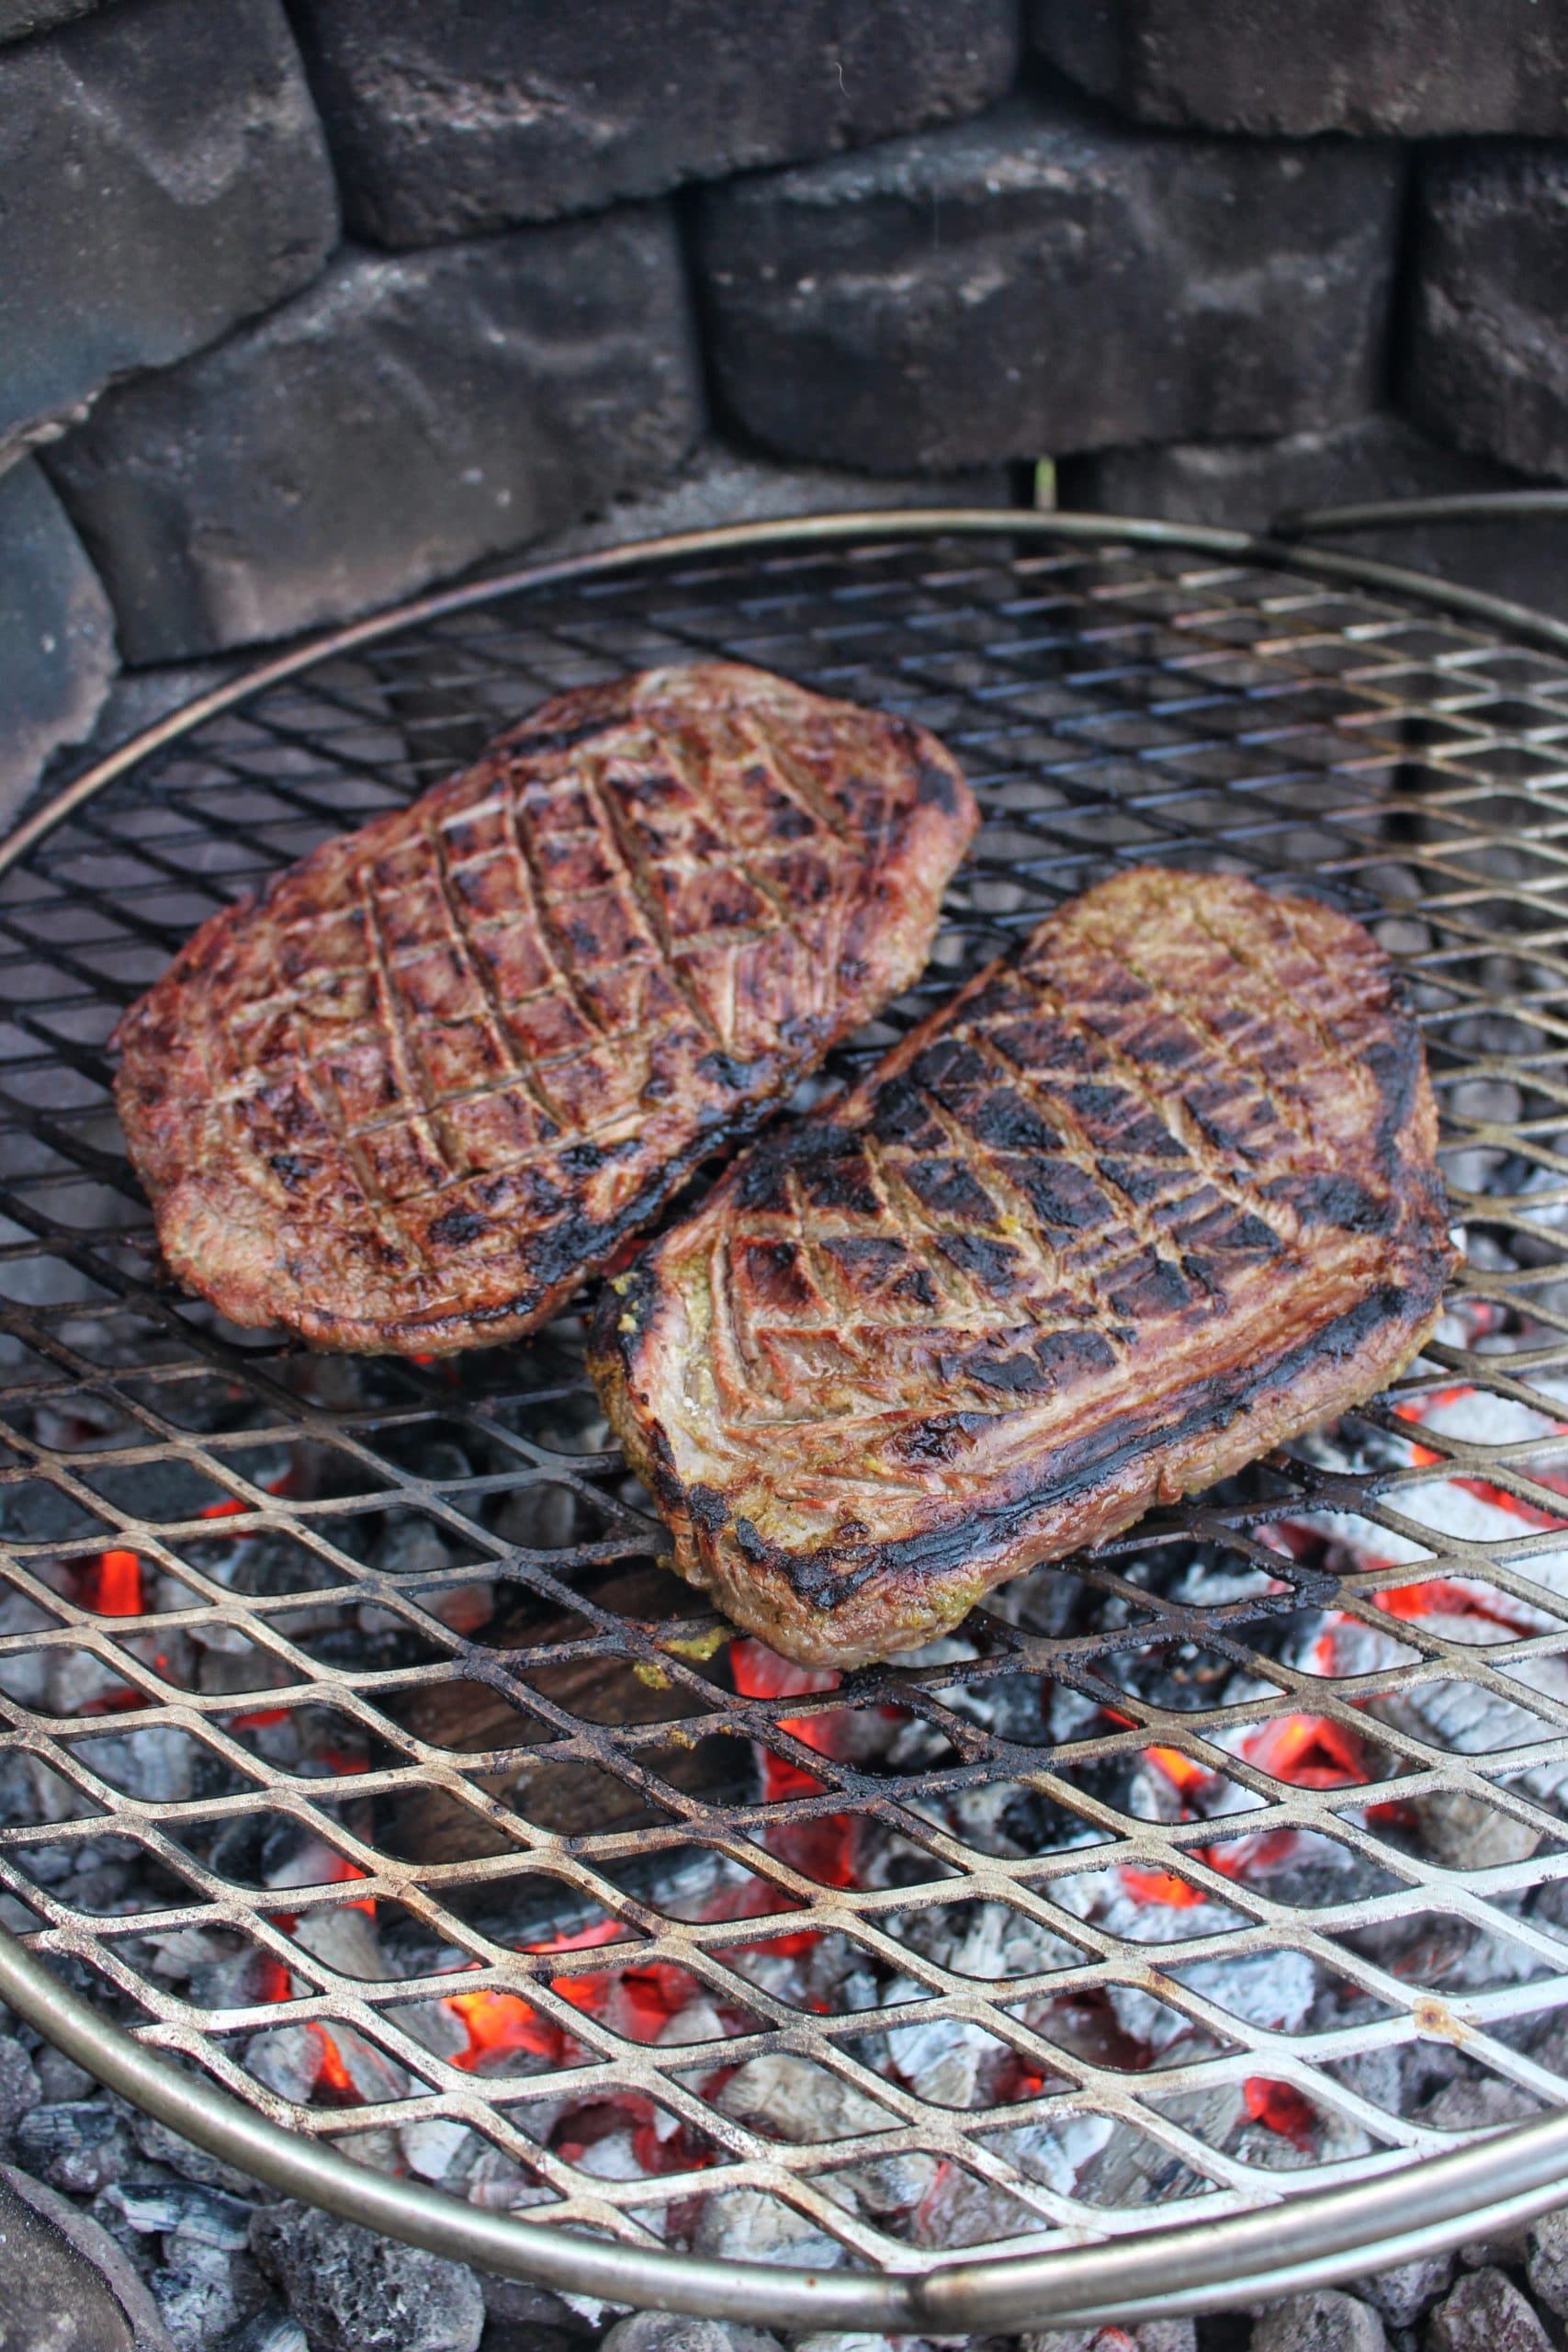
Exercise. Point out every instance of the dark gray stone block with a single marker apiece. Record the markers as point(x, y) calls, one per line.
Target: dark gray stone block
point(57, 657)
point(718, 485)
point(1248, 484)
point(451, 116)
point(1044, 280)
point(20, 18)
point(163, 174)
point(1417, 68)
point(1486, 364)
point(402, 418)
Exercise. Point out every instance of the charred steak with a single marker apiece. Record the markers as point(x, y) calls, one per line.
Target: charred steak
point(405, 1101)
point(1149, 1195)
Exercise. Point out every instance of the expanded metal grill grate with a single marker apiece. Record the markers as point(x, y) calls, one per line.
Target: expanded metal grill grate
point(346, 1701)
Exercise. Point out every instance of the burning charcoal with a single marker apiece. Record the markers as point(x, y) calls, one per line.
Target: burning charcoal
point(1274, 1989)
point(1473, 2103)
point(203, 2293)
point(239, 1981)
point(494, 2181)
point(352, 2290)
point(60, 2078)
point(749, 2226)
point(1054, 2152)
point(1549, 2261)
point(521, 2317)
point(1322, 2321)
point(1464, 1833)
point(887, 2184)
point(837, 1976)
point(830, 2341)
point(80, 2146)
point(345, 1939)
point(614, 2157)
point(1487, 2312)
point(945, 2059)
point(537, 1517)
point(162, 2146)
point(200, 2216)
point(668, 2331)
point(286, 2058)
point(1153, 2335)
point(271, 2330)
point(791, 2099)
point(1405, 2294)
point(962, 2211)
point(20, 2089)
point(698, 2020)
point(432, 2149)
point(1376, 2075)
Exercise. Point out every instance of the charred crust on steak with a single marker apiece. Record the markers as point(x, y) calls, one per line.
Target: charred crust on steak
point(1165, 1177)
point(439, 1071)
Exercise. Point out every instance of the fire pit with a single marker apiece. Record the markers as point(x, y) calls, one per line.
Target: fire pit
point(376, 1807)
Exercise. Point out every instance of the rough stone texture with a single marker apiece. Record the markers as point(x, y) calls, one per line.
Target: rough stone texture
point(401, 419)
point(669, 2332)
point(1548, 2266)
point(1487, 2312)
point(20, 2089)
point(1418, 68)
point(163, 174)
point(57, 658)
point(447, 118)
point(1042, 281)
point(1323, 2321)
point(1486, 361)
point(352, 2291)
point(718, 485)
point(1152, 2336)
point(20, 18)
point(1249, 484)
point(1403, 2294)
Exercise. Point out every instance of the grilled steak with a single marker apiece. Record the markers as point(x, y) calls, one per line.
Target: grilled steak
point(448, 1062)
point(1146, 1197)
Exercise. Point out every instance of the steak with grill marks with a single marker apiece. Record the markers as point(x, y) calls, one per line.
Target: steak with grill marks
point(448, 1063)
point(1149, 1196)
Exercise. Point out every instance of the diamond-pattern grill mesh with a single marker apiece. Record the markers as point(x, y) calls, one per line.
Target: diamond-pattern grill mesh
point(357, 1750)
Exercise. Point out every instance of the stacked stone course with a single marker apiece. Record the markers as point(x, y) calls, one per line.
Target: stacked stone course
point(307, 307)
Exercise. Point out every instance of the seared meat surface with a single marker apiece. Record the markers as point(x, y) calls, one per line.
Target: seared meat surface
point(1147, 1197)
point(405, 1101)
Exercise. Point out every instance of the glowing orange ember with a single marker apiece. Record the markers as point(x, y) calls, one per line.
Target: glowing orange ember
point(1440, 1597)
point(820, 1849)
point(332, 2074)
point(114, 1585)
point(1160, 1886)
point(1182, 1771)
point(1283, 2108)
point(501, 2021)
point(1310, 1751)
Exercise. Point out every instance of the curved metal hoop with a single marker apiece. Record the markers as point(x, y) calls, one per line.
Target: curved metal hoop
point(1495, 2184)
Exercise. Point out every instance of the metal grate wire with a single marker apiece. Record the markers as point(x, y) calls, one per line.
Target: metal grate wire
point(581, 1762)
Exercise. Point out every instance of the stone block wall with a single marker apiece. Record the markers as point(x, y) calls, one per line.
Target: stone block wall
point(306, 304)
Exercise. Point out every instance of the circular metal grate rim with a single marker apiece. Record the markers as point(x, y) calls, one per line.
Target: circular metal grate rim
point(404, 1628)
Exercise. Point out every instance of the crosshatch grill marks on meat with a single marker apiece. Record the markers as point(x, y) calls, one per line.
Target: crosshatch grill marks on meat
point(448, 1063)
point(1150, 1195)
